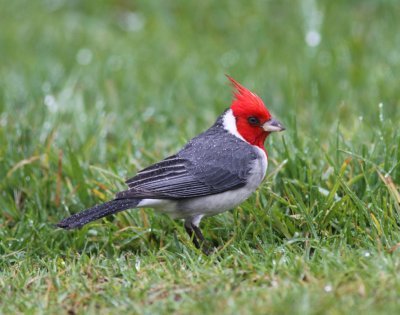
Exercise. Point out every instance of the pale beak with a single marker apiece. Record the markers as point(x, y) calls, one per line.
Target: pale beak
point(273, 125)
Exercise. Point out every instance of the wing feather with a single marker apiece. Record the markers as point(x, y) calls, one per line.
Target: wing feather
point(201, 168)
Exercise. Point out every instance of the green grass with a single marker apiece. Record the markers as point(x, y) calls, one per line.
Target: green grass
point(92, 91)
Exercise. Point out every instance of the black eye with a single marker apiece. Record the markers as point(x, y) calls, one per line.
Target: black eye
point(253, 121)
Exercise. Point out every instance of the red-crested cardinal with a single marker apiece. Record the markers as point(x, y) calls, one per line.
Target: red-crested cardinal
point(214, 172)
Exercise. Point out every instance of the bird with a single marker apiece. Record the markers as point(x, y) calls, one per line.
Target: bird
point(214, 172)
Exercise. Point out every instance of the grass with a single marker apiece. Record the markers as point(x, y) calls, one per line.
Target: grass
point(94, 91)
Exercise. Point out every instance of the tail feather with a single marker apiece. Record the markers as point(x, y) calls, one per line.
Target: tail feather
point(80, 219)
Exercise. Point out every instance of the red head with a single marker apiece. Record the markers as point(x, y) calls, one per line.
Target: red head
point(253, 120)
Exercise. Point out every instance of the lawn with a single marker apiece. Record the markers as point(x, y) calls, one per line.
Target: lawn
point(93, 91)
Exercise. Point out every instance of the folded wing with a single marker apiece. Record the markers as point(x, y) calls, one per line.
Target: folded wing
point(177, 178)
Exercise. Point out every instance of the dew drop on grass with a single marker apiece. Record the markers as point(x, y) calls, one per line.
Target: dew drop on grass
point(380, 112)
point(325, 175)
point(323, 191)
point(313, 38)
point(328, 288)
point(50, 102)
point(132, 21)
point(367, 254)
point(312, 17)
point(84, 56)
point(137, 264)
point(92, 232)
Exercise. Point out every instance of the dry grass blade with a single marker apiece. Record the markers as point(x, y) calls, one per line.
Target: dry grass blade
point(22, 164)
point(391, 186)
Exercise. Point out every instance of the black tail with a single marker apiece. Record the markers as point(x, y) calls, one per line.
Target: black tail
point(80, 219)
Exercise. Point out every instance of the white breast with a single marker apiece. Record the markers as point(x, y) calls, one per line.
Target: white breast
point(213, 204)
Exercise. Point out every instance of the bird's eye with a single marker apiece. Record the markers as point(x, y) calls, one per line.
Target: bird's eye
point(253, 121)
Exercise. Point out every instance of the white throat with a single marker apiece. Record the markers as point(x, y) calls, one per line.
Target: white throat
point(229, 122)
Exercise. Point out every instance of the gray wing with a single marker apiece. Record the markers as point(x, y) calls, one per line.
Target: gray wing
point(201, 168)
point(176, 178)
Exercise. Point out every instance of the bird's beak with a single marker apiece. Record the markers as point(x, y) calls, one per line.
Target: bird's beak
point(273, 125)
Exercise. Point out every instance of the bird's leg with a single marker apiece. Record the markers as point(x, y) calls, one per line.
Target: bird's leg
point(192, 228)
point(205, 249)
point(192, 233)
point(198, 233)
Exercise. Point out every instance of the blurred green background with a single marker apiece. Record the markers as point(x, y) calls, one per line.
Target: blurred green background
point(318, 62)
point(93, 91)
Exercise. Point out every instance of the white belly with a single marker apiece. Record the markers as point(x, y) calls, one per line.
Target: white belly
point(213, 204)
